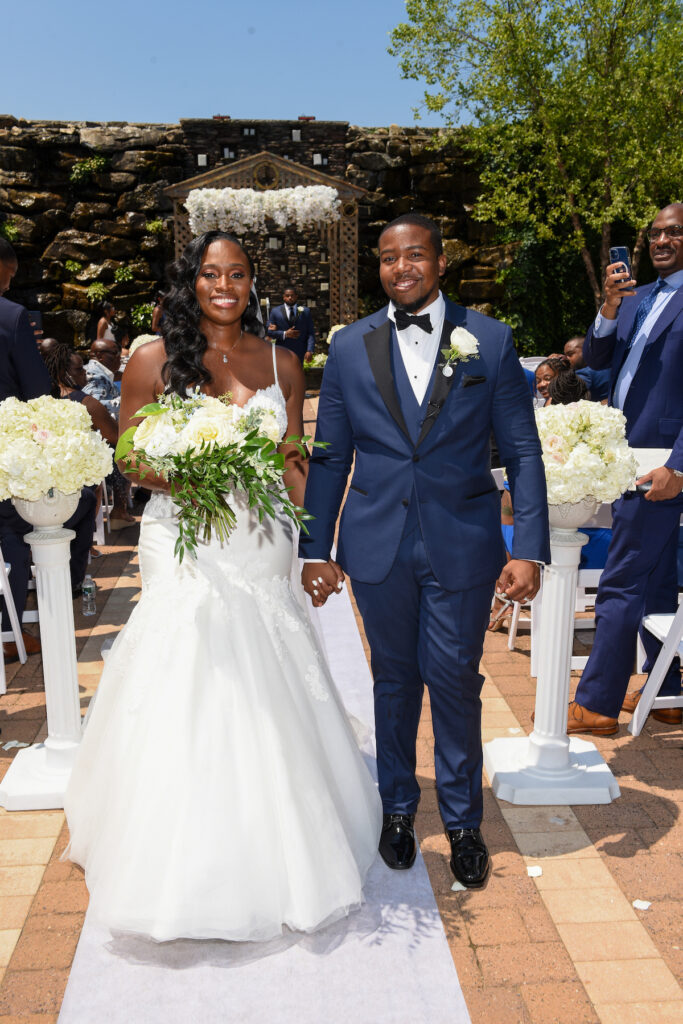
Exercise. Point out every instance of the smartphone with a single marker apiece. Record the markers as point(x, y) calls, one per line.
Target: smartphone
point(620, 254)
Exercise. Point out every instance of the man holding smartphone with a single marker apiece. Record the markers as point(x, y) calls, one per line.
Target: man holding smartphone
point(639, 334)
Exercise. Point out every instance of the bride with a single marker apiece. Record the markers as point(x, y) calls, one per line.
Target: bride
point(219, 791)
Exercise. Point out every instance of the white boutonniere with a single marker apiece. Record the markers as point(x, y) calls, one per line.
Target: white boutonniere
point(462, 346)
point(299, 310)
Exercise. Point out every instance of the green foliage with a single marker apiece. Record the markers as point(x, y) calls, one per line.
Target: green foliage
point(123, 274)
point(155, 227)
point(97, 292)
point(83, 170)
point(547, 300)
point(73, 267)
point(141, 316)
point(579, 107)
point(9, 230)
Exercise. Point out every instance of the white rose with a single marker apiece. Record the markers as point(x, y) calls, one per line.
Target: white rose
point(463, 345)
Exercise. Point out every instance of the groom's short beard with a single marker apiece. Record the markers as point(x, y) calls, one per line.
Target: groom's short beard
point(410, 307)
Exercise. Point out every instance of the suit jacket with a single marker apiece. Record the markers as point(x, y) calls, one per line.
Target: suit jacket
point(304, 325)
point(654, 401)
point(447, 471)
point(22, 370)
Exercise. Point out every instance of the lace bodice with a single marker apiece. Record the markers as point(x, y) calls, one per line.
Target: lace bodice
point(160, 505)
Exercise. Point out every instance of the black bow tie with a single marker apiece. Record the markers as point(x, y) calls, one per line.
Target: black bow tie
point(404, 320)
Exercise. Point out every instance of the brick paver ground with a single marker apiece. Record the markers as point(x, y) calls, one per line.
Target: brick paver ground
point(566, 947)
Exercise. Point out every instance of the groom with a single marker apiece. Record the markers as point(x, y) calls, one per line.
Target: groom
point(420, 532)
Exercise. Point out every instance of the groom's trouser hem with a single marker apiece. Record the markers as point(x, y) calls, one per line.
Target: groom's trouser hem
point(410, 621)
point(639, 578)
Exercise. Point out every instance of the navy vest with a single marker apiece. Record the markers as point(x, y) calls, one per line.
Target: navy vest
point(413, 412)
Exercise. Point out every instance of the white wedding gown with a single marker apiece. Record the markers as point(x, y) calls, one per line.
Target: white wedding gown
point(219, 791)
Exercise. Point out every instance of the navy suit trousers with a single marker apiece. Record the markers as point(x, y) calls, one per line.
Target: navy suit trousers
point(639, 579)
point(421, 634)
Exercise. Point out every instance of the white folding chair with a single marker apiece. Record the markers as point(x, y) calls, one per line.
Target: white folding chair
point(15, 632)
point(669, 630)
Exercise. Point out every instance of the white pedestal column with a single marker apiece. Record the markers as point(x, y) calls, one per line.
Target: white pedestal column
point(547, 767)
point(38, 775)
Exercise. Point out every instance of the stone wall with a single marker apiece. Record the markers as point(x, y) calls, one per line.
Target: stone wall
point(86, 201)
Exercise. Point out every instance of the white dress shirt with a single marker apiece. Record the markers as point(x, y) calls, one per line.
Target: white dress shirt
point(419, 349)
point(602, 328)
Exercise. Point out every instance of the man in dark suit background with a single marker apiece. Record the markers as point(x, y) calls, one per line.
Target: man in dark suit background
point(292, 326)
point(639, 334)
point(22, 375)
point(420, 531)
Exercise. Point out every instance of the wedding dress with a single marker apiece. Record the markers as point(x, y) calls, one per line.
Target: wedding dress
point(219, 791)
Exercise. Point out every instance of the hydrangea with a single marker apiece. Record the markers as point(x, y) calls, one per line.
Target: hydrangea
point(48, 443)
point(245, 210)
point(585, 452)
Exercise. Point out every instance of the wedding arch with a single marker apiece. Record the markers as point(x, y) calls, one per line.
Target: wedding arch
point(312, 198)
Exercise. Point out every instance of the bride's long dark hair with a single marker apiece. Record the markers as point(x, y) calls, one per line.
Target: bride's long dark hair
point(185, 343)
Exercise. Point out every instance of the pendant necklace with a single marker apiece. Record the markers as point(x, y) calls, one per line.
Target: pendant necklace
point(224, 354)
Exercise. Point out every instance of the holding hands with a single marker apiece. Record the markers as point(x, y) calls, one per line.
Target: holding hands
point(320, 579)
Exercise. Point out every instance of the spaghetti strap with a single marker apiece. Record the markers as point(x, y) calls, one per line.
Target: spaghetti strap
point(275, 366)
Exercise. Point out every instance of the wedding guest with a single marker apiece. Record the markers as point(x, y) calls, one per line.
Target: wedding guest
point(639, 334)
point(101, 372)
point(23, 376)
point(292, 326)
point(545, 372)
point(105, 325)
point(596, 380)
point(566, 387)
point(158, 315)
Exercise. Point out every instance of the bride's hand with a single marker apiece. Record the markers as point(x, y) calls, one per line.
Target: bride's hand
point(320, 579)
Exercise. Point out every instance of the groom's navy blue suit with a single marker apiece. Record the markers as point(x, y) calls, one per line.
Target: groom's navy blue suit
point(420, 533)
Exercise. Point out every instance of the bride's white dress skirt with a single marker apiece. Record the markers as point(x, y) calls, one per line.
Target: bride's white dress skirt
point(219, 791)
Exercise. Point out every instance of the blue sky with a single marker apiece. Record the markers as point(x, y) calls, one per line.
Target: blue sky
point(144, 60)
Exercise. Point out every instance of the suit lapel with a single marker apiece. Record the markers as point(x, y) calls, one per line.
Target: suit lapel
point(441, 386)
point(666, 318)
point(378, 347)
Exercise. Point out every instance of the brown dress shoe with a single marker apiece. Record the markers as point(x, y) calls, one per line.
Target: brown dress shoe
point(31, 643)
point(670, 716)
point(581, 720)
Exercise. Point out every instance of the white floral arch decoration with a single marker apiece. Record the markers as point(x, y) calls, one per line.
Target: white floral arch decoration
point(245, 210)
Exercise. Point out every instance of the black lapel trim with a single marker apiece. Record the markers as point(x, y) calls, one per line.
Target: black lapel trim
point(441, 386)
point(378, 346)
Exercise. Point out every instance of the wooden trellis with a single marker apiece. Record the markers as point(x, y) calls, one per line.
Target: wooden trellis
point(267, 171)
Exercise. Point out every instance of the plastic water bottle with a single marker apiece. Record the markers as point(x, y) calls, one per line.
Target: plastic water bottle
point(89, 596)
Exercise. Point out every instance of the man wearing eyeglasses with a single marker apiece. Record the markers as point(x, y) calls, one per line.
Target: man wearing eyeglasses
point(639, 334)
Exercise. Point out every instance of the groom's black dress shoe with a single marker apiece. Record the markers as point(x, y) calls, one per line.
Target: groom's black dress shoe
point(469, 857)
point(397, 845)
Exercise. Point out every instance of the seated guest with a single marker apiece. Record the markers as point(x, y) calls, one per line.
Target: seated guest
point(101, 372)
point(292, 326)
point(565, 388)
point(597, 381)
point(545, 372)
point(22, 376)
point(69, 378)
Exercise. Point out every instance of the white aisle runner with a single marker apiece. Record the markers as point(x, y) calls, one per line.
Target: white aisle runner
point(389, 963)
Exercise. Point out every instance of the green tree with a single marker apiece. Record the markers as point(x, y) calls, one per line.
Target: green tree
point(579, 108)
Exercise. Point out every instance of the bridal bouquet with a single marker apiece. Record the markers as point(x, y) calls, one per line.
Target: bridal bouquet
point(585, 452)
point(48, 443)
point(206, 447)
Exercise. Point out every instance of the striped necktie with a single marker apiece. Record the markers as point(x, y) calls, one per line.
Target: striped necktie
point(643, 311)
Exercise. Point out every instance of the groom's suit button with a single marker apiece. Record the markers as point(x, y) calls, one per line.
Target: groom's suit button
point(416, 458)
point(405, 502)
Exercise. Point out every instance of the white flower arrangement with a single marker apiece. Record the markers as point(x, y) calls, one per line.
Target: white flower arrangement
point(206, 447)
point(462, 347)
point(585, 452)
point(142, 339)
point(48, 443)
point(244, 210)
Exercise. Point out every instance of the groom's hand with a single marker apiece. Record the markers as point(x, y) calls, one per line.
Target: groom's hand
point(320, 579)
point(519, 580)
